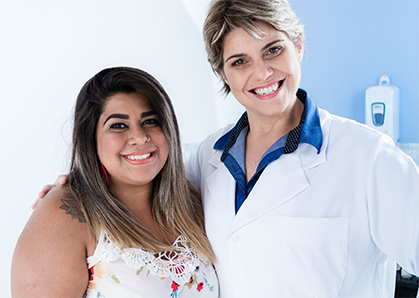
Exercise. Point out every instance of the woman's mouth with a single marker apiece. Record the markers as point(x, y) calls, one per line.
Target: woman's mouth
point(138, 157)
point(268, 90)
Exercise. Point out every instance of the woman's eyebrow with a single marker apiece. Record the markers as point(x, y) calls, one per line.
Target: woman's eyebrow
point(234, 56)
point(119, 116)
point(271, 44)
point(147, 114)
point(126, 117)
point(264, 48)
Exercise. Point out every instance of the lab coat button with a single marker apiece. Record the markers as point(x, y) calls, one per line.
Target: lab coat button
point(234, 238)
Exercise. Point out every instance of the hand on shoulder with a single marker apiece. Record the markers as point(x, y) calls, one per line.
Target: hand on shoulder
point(61, 180)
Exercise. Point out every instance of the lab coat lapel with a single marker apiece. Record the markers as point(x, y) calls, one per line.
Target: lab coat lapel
point(221, 186)
point(283, 179)
point(280, 182)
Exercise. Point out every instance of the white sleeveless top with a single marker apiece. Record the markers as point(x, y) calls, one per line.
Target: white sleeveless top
point(133, 272)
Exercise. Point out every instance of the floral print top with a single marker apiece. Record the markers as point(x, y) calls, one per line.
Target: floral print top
point(135, 273)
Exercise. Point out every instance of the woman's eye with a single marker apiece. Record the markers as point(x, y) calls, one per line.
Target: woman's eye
point(118, 126)
point(238, 62)
point(275, 50)
point(151, 121)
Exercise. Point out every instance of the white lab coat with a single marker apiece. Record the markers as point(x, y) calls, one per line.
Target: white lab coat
point(315, 225)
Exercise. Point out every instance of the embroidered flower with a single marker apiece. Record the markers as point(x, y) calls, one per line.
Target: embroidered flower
point(175, 286)
point(178, 267)
point(192, 281)
point(200, 286)
point(178, 264)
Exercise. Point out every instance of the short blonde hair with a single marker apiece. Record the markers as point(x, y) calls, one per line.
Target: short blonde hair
point(225, 16)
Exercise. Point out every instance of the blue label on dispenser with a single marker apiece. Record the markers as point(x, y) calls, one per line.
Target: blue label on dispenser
point(378, 112)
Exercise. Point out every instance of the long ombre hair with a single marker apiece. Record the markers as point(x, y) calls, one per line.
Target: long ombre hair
point(176, 205)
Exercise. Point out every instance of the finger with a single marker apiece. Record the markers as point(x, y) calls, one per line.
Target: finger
point(61, 180)
point(36, 203)
point(37, 200)
point(45, 190)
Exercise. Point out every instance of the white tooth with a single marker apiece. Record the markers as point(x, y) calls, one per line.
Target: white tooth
point(138, 157)
point(266, 91)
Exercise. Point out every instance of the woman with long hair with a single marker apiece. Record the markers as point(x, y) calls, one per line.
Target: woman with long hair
point(127, 223)
point(298, 202)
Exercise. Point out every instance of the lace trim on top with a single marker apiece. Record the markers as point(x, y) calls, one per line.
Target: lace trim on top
point(178, 265)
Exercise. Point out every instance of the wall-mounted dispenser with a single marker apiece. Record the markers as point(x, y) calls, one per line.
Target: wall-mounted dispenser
point(382, 108)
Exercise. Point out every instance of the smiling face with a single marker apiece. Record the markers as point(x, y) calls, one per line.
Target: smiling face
point(130, 141)
point(263, 74)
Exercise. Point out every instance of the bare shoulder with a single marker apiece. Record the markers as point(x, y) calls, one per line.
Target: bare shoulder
point(50, 255)
point(58, 213)
point(63, 199)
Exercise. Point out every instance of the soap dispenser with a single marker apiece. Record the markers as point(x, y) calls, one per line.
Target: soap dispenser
point(382, 108)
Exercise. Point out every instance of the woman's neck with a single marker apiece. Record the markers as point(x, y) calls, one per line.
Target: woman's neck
point(274, 127)
point(138, 201)
point(264, 132)
point(136, 198)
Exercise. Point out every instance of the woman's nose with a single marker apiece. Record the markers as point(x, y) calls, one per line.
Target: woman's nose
point(262, 70)
point(138, 136)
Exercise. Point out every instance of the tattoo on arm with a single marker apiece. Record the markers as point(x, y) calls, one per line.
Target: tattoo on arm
point(70, 207)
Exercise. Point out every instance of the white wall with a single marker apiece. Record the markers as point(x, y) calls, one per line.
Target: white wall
point(50, 48)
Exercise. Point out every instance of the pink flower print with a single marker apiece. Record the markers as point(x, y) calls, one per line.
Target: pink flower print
point(175, 286)
point(200, 286)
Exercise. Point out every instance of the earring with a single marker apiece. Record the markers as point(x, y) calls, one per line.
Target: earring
point(105, 174)
point(223, 79)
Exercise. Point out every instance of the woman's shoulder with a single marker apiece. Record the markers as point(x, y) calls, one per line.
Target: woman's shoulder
point(341, 127)
point(52, 247)
point(58, 215)
point(61, 207)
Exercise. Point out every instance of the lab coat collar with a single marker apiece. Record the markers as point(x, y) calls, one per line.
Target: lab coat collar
point(265, 196)
point(311, 132)
point(268, 194)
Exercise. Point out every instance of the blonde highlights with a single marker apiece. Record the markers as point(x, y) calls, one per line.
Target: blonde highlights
point(225, 16)
point(176, 205)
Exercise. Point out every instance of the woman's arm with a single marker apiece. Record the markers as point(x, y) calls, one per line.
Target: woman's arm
point(50, 255)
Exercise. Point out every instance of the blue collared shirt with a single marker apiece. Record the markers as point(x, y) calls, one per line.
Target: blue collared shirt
point(233, 146)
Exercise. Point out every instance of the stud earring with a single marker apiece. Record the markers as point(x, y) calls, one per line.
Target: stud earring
point(223, 78)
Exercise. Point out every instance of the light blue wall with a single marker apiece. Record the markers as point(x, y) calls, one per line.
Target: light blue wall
point(350, 44)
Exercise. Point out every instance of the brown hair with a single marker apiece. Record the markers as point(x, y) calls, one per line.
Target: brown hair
point(225, 16)
point(176, 205)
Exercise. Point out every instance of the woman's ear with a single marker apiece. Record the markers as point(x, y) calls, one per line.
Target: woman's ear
point(300, 48)
point(223, 77)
